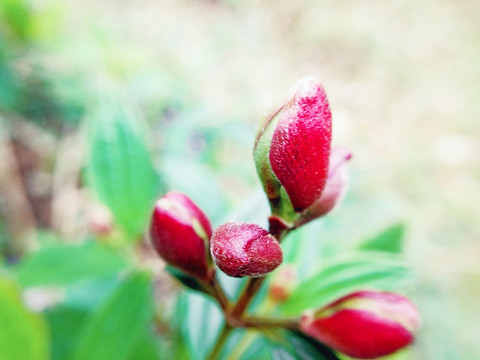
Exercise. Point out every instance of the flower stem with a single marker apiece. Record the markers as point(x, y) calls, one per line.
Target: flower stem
point(234, 316)
point(278, 229)
point(247, 295)
point(222, 338)
point(257, 322)
point(219, 294)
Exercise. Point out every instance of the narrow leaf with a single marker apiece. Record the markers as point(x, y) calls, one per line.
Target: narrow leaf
point(346, 275)
point(390, 240)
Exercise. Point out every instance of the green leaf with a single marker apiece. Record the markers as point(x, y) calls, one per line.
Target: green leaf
point(65, 324)
point(17, 17)
point(245, 345)
point(90, 294)
point(66, 265)
point(390, 240)
point(23, 335)
point(120, 170)
point(147, 347)
point(112, 331)
point(200, 320)
point(303, 247)
point(297, 346)
point(345, 275)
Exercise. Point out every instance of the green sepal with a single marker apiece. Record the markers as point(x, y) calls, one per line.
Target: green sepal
point(187, 280)
point(261, 154)
point(280, 203)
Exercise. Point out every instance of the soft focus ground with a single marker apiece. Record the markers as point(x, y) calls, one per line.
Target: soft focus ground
point(403, 80)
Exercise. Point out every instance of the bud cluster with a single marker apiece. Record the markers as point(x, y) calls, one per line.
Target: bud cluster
point(304, 178)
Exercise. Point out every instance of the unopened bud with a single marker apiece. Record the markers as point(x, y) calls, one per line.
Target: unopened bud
point(100, 221)
point(292, 149)
point(242, 249)
point(180, 233)
point(365, 324)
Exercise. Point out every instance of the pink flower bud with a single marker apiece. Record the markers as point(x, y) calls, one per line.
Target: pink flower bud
point(365, 324)
point(293, 148)
point(242, 249)
point(335, 188)
point(100, 220)
point(283, 283)
point(180, 233)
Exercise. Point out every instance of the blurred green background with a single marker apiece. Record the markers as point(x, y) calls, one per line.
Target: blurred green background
point(193, 79)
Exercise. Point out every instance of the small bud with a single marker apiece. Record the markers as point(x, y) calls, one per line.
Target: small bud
point(335, 188)
point(180, 233)
point(365, 324)
point(242, 249)
point(100, 220)
point(283, 283)
point(293, 148)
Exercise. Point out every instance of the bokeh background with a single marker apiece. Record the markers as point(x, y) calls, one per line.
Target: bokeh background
point(403, 81)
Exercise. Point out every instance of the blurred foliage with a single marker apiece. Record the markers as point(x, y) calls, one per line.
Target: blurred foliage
point(82, 164)
point(119, 168)
point(68, 265)
point(27, 86)
point(22, 333)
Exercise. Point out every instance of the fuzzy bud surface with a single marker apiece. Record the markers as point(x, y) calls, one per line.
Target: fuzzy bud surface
point(242, 249)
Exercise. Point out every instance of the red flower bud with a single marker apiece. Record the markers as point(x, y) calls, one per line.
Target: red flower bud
point(335, 188)
point(242, 249)
point(180, 233)
point(301, 144)
point(365, 324)
point(292, 150)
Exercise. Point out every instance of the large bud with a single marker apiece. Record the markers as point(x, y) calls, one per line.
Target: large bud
point(365, 324)
point(242, 249)
point(292, 150)
point(180, 233)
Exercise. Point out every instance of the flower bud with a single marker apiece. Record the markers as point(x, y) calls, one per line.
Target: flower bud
point(335, 188)
point(243, 249)
point(100, 220)
point(284, 281)
point(365, 324)
point(292, 149)
point(180, 233)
